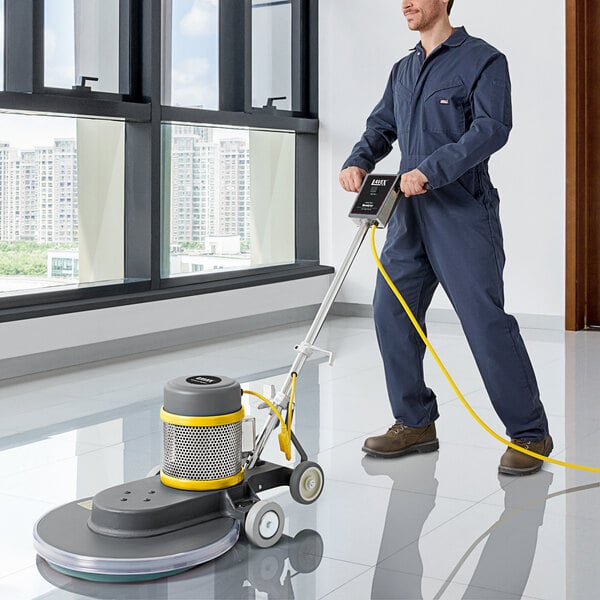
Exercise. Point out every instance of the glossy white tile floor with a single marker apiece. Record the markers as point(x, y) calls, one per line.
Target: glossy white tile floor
point(442, 525)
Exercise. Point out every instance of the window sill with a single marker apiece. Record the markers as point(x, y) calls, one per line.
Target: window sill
point(138, 292)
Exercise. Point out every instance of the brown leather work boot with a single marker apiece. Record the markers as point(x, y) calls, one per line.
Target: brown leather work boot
point(401, 439)
point(514, 462)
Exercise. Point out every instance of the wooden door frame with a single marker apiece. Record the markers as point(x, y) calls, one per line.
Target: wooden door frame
point(582, 156)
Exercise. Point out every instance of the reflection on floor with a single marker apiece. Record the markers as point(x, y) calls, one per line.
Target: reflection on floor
point(441, 525)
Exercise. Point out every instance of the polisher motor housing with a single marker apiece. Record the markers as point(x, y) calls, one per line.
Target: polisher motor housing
point(202, 433)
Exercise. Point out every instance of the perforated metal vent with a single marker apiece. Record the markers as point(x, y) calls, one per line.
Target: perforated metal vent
point(202, 453)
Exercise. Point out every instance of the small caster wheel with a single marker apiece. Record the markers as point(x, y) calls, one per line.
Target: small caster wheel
point(306, 482)
point(264, 523)
point(154, 471)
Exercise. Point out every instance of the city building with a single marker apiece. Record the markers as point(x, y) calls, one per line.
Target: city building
point(38, 193)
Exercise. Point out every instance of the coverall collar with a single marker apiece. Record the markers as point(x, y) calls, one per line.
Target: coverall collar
point(456, 39)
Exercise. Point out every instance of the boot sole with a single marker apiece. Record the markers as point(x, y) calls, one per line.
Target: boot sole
point(414, 449)
point(520, 472)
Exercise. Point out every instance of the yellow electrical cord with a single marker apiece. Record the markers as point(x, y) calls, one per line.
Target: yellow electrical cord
point(285, 436)
point(268, 403)
point(451, 381)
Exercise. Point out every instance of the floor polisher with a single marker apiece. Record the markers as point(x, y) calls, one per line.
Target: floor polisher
point(192, 509)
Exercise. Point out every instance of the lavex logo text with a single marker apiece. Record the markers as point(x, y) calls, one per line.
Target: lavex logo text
point(379, 182)
point(203, 380)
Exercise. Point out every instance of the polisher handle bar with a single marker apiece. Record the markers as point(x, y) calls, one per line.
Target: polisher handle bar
point(304, 349)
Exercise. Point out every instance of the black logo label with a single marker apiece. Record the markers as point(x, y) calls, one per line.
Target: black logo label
point(203, 380)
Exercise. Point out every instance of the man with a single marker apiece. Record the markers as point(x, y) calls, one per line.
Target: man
point(448, 104)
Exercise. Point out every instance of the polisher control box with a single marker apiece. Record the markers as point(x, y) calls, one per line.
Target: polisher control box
point(376, 199)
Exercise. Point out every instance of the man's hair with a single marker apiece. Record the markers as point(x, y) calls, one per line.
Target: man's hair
point(450, 3)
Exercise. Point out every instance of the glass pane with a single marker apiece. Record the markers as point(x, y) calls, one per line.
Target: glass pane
point(272, 53)
point(191, 53)
point(229, 199)
point(61, 202)
point(1, 45)
point(81, 38)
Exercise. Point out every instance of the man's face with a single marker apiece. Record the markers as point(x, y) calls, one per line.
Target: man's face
point(422, 14)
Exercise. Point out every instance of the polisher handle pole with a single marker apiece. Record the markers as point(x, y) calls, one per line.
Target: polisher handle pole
point(304, 350)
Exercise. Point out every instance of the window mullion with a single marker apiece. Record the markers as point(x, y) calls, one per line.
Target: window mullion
point(125, 34)
point(305, 59)
point(23, 45)
point(142, 155)
point(312, 72)
point(307, 197)
point(235, 55)
point(299, 59)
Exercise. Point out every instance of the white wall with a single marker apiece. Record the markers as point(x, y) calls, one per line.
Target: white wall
point(45, 334)
point(357, 49)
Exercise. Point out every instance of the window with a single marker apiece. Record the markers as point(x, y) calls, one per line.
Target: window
point(170, 175)
point(81, 39)
point(272, 54)
point(61, 179)
point(190, 52)
point(230, 199)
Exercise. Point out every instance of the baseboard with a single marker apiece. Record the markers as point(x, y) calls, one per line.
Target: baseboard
point(445, 315)
point(350, 309)
point(120, 348)
point(126, 347)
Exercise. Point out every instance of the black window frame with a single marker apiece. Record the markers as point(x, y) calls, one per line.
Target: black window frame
point(139, 106)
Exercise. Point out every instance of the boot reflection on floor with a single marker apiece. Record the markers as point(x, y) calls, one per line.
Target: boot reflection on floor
point(507, 557)
point(405, 517)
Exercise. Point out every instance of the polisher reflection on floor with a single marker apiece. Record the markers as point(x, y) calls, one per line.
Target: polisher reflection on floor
point(192, 509)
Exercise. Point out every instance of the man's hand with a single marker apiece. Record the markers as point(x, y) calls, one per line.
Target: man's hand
point(351, 178)
point(413, 183)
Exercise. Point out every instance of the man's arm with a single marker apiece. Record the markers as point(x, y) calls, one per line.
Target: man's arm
point(492, 122)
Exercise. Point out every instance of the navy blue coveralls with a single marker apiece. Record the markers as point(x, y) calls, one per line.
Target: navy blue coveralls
point(449, 113)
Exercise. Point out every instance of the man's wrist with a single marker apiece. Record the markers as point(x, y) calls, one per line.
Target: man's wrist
point(432, 184)
point(359, 164)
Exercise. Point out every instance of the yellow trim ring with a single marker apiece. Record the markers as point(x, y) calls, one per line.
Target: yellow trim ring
point(215, 421)
point(197, 485)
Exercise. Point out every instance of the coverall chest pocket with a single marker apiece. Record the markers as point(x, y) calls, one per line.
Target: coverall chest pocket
point(444, 108)
point(402, 107)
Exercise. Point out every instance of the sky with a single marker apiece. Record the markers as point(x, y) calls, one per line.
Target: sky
point(195, 53)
